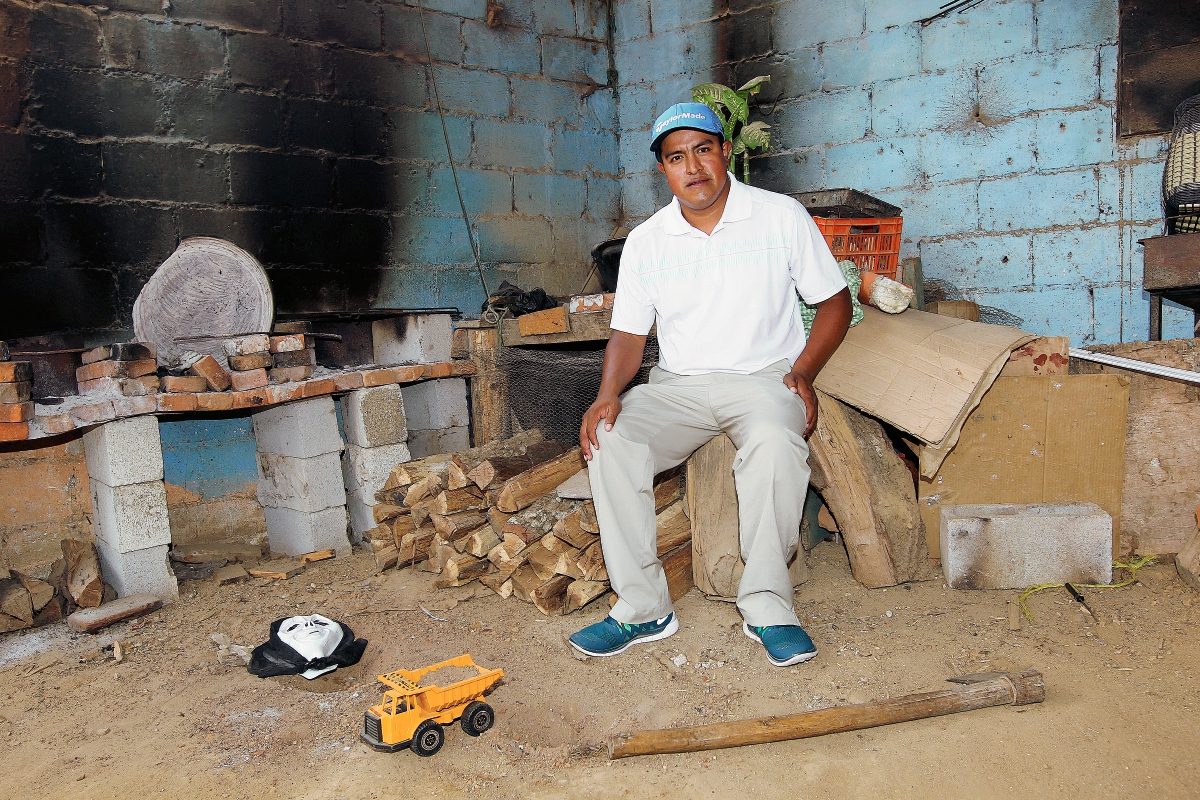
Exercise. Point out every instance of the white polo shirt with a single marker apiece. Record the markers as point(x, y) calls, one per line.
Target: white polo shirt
point(725, 301)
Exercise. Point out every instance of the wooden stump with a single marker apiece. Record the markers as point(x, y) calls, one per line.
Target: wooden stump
point(490, 417)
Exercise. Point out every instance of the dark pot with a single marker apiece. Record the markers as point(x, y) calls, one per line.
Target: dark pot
point(607, 256)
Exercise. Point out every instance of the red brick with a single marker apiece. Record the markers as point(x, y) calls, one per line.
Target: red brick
point(319, 387)
point(150, 382)
point(56, 423)
point(289, 343)
point(347, 381)
point(15, 392)
point(296, 358)
point(408, 374)
point(14, 431)
point(379, 377)
point(94, 413)
point(244, 381)
point(441, 369)
point(212, 371)
point(15, 371)
point(184, 383)
point(177, 402)
point(251, 361)
point(134, 406)
point(128, 387)
point(290, 374)
point(284, 392)
point(115, 369)
point(214, 401)
point(122, 351)
point(251, 399)
point(16, 412)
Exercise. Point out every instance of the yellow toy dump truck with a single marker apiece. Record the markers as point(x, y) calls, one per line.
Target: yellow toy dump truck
point(412, 715)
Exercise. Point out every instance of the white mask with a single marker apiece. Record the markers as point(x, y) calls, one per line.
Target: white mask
point(314, 636)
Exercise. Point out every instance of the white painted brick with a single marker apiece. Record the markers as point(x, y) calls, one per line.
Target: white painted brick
point(374, 417)
point(303, 484)
point(125, 451)
point(1008, 546)
point(366, 469)
point(413, 338)
point(294, 533)
point(248, 345)
point(139, 571)
point(446, 440)
point(301, 430)
point(131, 517)
point(434, 405)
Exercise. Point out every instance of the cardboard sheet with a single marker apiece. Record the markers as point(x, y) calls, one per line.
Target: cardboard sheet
point(919, 372)
point(1043, 439)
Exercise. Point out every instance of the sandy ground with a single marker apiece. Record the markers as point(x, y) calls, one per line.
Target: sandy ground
point(1120, 716)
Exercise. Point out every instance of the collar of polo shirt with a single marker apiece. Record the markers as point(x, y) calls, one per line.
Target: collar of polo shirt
point(737, 209)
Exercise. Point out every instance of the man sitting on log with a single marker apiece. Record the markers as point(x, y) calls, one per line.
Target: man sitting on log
point(718, 270)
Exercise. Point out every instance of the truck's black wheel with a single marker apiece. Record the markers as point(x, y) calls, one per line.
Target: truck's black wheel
point(428, 738)
point(477, 718)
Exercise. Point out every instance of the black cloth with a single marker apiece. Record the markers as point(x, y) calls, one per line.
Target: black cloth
point(519, 302)
point(275, 657)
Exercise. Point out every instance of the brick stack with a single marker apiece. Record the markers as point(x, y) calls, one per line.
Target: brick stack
point(126, 368)
point(249, 359)
point(294, 352)
point(16, 410)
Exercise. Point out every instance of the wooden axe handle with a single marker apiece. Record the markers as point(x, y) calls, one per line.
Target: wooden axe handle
point(1016, 688)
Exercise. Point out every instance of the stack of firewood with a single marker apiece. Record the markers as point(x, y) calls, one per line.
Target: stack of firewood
point(494, 514)
point(75, 581)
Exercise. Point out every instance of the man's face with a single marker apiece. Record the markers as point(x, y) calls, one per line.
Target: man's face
point(695, 166)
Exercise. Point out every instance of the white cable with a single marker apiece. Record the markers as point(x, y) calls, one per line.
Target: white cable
point(1132, 365)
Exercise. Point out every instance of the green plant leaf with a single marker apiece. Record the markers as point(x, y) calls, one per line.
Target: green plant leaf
point(755, 136)
point(753, 85)
point(730, 107)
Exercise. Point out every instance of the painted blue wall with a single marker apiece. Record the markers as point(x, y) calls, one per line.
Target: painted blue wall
point(992, 129)
point(211, 457)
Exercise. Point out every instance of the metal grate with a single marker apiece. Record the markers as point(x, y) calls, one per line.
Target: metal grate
point(372, 727)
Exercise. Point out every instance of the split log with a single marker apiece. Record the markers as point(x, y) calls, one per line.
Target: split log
point(15, 601)
point(8, 624)
point(320, 555)
point(460, 569)
point(402, 526)
point(506, 550)
point(551, 597)
point(40, 592)
point(587, 518)
point(90, 620)
point(677, 564)
point(409, 472)
point(492, 472)
point(522, 490)
point(386, 554)
point(387, 511)
point(53, 611)
point(713, 509)
point(554, 544)
point(493, 581)
point(456, 473)
point(460, 522)
point(481, 541)
point(544, 563)
point(582, 592)
point(570, 531)
point(668, 490)
point(527, 535)
point(674, 528)
point(497, 519)
point(458, 500)
point(421, 489)
point(420, 511)
point(84, 582)
point(491, 417)
point(870, 493)
point(280, 569)
point(414, 547)
point(525, 581)
point(568, 564)
point(440, 554)
point(591, 563)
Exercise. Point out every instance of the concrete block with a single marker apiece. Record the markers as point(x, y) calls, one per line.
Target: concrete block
point(124, 452)
point(294, 533)
point(975, 152)
point(277, 63)
point(550, 195)
point(521, 145)
point(145, 571)
point(402, 33)
point(503, 49)
point(825, 118)
point(538, 99)
point(472, 91)
point(490, 191)
point(381, 81)
point(986, 262)
point(893, 53)
point(219, 116)
point(1068, 139)
point(1009, 546)
point(148, 171)
point(576, 151)
point(413, 338)
point(883, 164)
point(362, 516)
point(1034, 83)
point(1019, 202)
point(573, 60)
point(1077, 256)
point(511, 240)
point(354, 23)
point(631, 19)
point(374, 417)
point(922, 102)
point(302, 430)
point(90, 104)
point(418, 135)
point(303, 484)
point(998, 31)
point(797, 24)
point(446, 440)
point(131, 517)
point(433, 405)
point(182, 51)
point(366, 469)
point(280, 179)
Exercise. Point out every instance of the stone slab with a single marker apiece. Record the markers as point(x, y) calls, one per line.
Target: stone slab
point(139, 571)
point(124, 452)
point(294, 533)
point(131, 517)
point(302, 484)
point(1011, 546)
point(374, 417)
point(300, 429)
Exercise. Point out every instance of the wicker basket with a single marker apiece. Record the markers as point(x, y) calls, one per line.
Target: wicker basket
point(1181, 176)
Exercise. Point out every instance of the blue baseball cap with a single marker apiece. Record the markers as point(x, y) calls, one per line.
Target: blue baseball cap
point(695, 116)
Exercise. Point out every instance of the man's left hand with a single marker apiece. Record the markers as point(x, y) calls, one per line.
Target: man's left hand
point(799, 384)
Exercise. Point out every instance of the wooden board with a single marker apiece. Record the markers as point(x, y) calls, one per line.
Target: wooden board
point(1034, 440)
point(1161, 483)
point(591, 327)
point(552, 320)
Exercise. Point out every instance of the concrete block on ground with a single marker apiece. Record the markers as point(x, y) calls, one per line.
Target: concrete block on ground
point(145, 571)
point(434, 405)
point(366, 469)
point(374, 417)
point(131, 517)
point(362, 515)
point(1011, 546)
point(302, 484)
point(124, 452)
point(294, 533)
point(413, 338)
point(301, 430)
point(446, 440)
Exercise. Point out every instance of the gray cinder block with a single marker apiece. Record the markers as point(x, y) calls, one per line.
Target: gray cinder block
point(294, 533)
point(1008, 546)
point(301, 484)
point(301, 430)
point(434, 405)
point(131, 517)
point(125, 451)
point(144, 571)
point(412, 338)
point(374, 417)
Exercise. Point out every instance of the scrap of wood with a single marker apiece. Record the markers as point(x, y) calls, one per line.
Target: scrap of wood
point(234, 573)
point(90, 620)
point(522, 490)
point(316, 555)
point(552, 320)
point(280, 569)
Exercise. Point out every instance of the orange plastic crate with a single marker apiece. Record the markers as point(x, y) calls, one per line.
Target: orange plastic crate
point(873, 244)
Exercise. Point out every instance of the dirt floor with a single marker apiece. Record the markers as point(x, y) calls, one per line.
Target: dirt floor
point(1120, 717)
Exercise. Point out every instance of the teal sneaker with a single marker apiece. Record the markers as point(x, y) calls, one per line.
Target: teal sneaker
point(786, 644)
point(609, 637)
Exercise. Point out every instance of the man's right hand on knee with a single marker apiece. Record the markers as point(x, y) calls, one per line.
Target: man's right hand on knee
point(604, 410)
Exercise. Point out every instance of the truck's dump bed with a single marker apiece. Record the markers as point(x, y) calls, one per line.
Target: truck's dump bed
point(407, 683)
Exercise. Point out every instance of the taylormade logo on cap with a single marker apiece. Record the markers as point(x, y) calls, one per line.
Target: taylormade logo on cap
point(685, 115)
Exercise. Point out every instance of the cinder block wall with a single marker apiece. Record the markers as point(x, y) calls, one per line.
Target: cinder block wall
point(304, 131)
point(992, 129)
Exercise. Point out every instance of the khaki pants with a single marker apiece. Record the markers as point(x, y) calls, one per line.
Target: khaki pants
point(660, 425)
